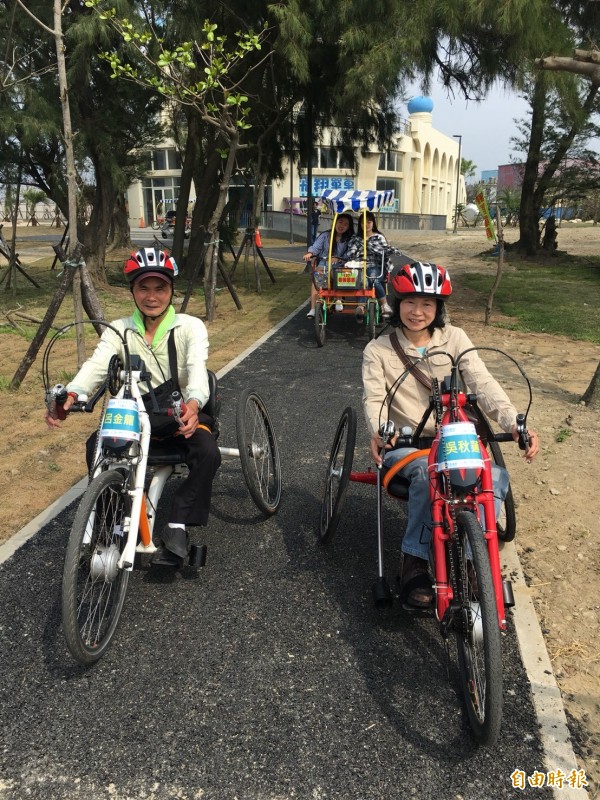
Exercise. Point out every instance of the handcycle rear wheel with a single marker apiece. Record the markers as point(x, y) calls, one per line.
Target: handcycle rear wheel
point(338, 474)
point(320, 322)
point(477, 633)
point(94, 588)
point(259, 453)
point(506, 524)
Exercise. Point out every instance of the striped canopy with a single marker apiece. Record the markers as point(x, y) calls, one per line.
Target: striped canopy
point(340, 200)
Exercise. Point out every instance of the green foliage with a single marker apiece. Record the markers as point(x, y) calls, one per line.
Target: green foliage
point(563, 434)
point(173, 71)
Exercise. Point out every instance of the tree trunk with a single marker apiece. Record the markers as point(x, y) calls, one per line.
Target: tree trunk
point(185, 184)
point(529, 212)
point(205, 180)
point(212, 251)
point(121, 233)
point(96, 231)
point(592, 394)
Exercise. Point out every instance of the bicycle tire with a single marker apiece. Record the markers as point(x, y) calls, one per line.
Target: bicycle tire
point(259, 452)
point(506, 524)
point(337, 477)
point(93, 588)
point(320, 323)
point(371, 318)
point(477, 632)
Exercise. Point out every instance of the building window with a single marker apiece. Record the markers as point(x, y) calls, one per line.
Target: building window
point(390, 161)
point(166, 159)
point(386, 185)
point(328, 158)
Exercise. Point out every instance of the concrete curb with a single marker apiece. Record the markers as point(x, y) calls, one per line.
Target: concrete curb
point(18, 539)
point(546, 696)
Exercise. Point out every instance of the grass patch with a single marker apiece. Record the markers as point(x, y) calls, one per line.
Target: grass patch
point(558, 296)
point(563, 435)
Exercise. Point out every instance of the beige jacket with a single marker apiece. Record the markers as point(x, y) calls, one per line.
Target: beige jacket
point(381, 367)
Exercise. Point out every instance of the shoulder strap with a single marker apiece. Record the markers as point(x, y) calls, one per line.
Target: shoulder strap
point(173, 359)
point(418, 373)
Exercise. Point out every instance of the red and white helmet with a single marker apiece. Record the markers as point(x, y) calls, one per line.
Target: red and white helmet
point(420, 278)
point(150, 262)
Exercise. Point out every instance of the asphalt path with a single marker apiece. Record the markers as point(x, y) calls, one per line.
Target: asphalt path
point(269, 674)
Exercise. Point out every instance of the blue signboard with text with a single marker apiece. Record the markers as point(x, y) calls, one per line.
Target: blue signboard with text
point(322, 182)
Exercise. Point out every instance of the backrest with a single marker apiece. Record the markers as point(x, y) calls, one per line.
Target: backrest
point(213, 404)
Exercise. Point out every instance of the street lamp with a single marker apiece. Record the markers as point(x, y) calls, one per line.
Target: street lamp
point(459, 137)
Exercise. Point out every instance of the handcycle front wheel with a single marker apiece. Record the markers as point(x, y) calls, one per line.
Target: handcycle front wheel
point(477, 633)
point(338, 474)
point(259, 452)
point(94, 588)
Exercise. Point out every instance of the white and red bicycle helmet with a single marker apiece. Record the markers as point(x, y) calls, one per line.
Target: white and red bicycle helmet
point(150, 262)
point(420, 278)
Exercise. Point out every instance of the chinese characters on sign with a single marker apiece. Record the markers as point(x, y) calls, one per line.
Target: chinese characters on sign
point(556, 779)
point(321, 183)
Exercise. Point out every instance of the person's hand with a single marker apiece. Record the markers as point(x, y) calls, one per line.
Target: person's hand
point(534, 444)
point(188, 422)
point(51, 415)
point(376, 444)
point(308, 256)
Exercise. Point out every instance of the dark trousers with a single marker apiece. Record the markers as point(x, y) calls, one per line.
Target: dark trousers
point(191, 503)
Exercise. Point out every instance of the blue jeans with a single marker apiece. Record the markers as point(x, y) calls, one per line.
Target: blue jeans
point(417, 535)
point(373, 279)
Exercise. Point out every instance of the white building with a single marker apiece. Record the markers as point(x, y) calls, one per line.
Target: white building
point(421, 167)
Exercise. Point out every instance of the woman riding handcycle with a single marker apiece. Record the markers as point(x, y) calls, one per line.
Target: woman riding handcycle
point(418, 293)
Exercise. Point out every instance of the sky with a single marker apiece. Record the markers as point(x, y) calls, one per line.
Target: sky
point(486, 127)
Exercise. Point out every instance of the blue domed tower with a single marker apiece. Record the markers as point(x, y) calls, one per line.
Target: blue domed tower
point(420, 105)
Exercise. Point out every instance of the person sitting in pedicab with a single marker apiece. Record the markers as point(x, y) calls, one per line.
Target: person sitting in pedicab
point(377, 261)
point(174, 347)
point(319, 250)
point(418, 291)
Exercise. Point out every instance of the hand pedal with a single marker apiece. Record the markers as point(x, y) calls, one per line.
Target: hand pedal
point(198, 555)
point(382, 594)
point(507, 593)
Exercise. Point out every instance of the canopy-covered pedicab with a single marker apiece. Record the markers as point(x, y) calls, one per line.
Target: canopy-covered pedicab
point(344, 287)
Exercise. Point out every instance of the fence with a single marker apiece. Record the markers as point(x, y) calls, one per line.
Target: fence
point(279, 223)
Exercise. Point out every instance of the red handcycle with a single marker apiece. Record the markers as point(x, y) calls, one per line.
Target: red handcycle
point(470, 593)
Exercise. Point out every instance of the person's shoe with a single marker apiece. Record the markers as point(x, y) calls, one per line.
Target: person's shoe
point(339, 306)
point(360, 313)
point(311, 313)
point(174, 547)
point(416, 590)
point(386, 311)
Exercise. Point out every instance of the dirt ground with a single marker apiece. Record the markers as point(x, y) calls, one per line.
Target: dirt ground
point(556, 496)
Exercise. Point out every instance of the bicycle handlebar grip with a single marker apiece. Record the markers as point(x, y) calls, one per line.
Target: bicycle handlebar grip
point(524, 437)
point(59, 395)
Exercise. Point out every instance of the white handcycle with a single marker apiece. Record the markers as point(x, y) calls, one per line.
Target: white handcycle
point(116, 515)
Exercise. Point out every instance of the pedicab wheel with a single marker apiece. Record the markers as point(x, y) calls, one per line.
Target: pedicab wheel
point(478, 637)
point(94, 588)
point(371, 318)
point(259, 453)
point(506, 524)
point(320, 322)
point(338, 474)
